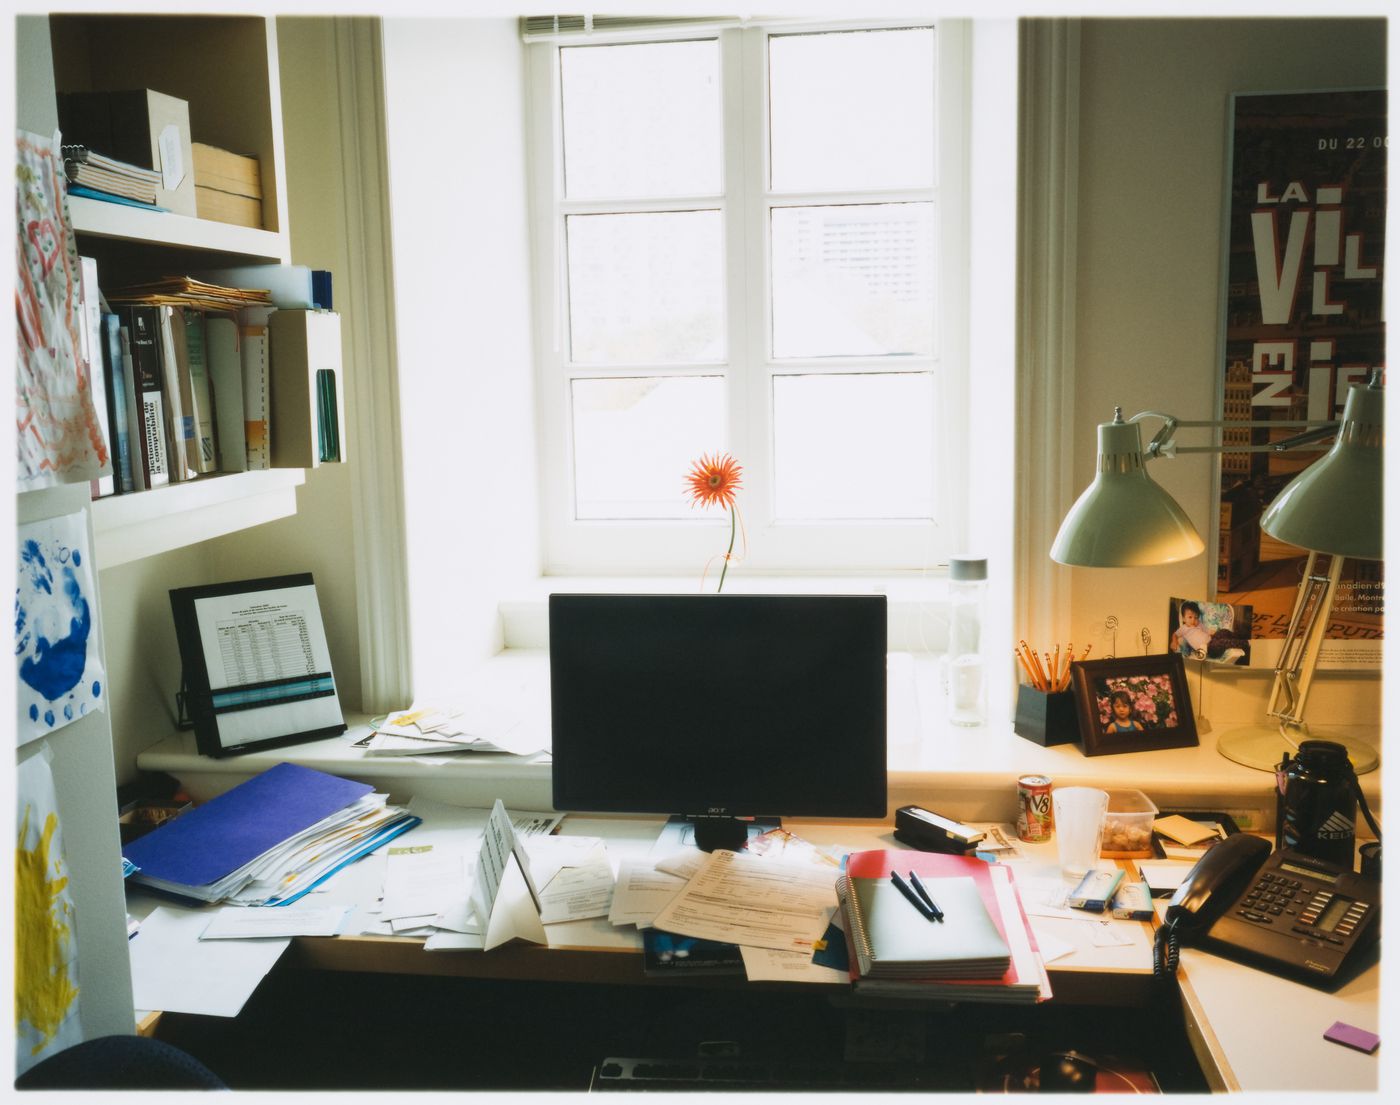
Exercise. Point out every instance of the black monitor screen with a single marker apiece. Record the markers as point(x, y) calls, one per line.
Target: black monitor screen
point(743, 705)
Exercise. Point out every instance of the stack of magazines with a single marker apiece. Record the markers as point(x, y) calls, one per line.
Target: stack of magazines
point(95, 172)
point(268, 840)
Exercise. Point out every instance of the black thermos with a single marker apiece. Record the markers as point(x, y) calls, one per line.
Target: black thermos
point(1317, 803)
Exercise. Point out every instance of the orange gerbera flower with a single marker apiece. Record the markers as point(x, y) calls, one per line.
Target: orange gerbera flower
point(714, 480)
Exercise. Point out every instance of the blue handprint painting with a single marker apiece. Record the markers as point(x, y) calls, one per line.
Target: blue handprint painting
point(59, 677)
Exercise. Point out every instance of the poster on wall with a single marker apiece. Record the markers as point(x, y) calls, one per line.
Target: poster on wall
point(57, 433)
point(1305, 250)
point(58, 671)
point(46, 939)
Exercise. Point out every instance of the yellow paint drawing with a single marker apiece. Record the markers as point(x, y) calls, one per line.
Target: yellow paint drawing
point(44, 989)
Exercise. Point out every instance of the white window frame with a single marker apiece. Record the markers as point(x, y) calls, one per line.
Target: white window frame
point(573, 547)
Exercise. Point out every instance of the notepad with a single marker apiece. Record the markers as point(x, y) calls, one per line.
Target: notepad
point(892, 939)
point(1183, 830)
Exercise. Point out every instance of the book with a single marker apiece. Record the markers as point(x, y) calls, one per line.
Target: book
point(893, 939)
point(118, 409)
point(1025, 981)
point(143, 328)
point(226, 379)
point(179, 423)
point(192, 854)
point(90, 350)
point(134, 421)
point(191, 359)
point(664, 953)
point(255, 349)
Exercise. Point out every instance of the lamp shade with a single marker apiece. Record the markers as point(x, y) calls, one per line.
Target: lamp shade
point(1334, 506)
point(1124, 519)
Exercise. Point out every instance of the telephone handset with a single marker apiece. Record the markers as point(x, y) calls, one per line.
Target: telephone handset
point(1286, 913)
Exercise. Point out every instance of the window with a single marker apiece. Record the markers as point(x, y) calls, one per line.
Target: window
point(751, 241)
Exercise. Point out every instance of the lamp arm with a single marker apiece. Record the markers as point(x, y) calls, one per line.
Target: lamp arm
point(1163, 443)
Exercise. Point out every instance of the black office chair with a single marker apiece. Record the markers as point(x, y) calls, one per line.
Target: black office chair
point(120, 1063)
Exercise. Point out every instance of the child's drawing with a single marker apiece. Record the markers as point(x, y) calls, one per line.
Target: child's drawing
point(58, 676)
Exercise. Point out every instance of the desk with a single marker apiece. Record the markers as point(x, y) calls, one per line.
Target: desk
point(1249, 1030)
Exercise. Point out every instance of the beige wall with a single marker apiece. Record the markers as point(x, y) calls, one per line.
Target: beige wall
point(1154, 130)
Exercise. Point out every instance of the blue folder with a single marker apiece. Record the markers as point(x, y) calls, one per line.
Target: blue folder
point(208, 842)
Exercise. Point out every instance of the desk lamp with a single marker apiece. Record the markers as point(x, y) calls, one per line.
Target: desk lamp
point(1124, 519)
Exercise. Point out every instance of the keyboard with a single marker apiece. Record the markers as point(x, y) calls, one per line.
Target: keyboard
point(720, 1074)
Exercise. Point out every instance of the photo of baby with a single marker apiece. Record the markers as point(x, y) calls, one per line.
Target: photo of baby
point(1215, 632)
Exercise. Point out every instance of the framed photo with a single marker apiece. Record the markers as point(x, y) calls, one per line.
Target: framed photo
point(257, 672)
point(1133, 704)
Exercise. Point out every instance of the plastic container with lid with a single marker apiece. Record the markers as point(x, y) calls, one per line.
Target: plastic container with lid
point(1127, 825)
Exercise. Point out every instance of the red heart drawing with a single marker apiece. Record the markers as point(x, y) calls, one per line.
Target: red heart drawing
point(47, 241)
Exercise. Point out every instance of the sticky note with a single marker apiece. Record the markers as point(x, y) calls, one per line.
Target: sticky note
point(1348, 1035)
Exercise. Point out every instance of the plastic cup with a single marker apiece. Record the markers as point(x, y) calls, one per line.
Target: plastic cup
point(1078, 827)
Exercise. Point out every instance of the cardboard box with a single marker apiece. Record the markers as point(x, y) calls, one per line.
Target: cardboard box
point(141, 126)
point(226, 171)
point(225, 207)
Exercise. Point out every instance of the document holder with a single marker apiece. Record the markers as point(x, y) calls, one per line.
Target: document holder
point(257, 671)
point(307, 401)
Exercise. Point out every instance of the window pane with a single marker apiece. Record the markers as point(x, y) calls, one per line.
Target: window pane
point(854, 446)
point(641, 120)
point(635, 440)
point(853, 280)
point(852, 110)
point(646, 287)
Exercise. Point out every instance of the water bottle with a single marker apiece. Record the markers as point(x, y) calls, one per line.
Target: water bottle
point(1317, 803)
point(967, 597)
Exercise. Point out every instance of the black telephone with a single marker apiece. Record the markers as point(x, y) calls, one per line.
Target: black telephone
point(1286, 913)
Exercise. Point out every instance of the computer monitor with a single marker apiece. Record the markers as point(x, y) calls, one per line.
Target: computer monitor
point(716, 707)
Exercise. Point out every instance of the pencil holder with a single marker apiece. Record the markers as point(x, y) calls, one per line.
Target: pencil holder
point(1046, 718)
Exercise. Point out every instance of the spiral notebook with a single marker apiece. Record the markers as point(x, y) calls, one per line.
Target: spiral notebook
point(892, 939)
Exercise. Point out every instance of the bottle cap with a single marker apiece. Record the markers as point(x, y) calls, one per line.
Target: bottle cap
point(967, 568)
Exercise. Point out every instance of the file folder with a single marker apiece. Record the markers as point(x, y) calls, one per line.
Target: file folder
point(210, 841)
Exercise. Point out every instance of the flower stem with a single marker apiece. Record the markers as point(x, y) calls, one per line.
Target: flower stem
point(727, 553)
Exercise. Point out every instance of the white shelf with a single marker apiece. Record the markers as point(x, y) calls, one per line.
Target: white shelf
point(123, 222)
point(130, 527)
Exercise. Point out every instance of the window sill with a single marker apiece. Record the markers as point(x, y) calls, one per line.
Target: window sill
point(968, 774)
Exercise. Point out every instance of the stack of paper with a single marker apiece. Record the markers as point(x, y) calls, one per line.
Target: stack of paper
point(267, 841)
point(1024, 980)
point(185, 291)
point(427, 728)
point(106, 174)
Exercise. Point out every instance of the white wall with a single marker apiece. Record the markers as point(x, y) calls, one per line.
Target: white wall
point(455, 123)
point(1154, 130)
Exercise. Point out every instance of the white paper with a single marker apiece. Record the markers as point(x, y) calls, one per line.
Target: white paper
point(421, 880)
point(58, 671)
point(505, 915)
point(1109, 934)
point(685, 864)
point(260, 923)
point(767, 965)
point(755, 902)
point(256, 636)
point(1052, 947)
point(172, 158)
point(1047, 897)
point(641, 893)
point(1166, 875)
point(577, 893)
point(174, 971)
point(550, 854)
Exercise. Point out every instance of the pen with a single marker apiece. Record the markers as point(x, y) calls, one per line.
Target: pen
point(914, 899)
point(923, 893)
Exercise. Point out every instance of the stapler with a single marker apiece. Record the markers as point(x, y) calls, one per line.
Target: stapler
point(930, 832)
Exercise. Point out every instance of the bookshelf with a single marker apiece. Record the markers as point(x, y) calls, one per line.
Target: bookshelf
point(226, 68)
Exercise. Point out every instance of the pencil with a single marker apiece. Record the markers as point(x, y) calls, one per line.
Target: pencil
point(1035, 663)
point(1055, 670)
point(1025, 666)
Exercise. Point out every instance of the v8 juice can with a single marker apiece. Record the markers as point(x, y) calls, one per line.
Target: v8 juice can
point(1034, 820)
